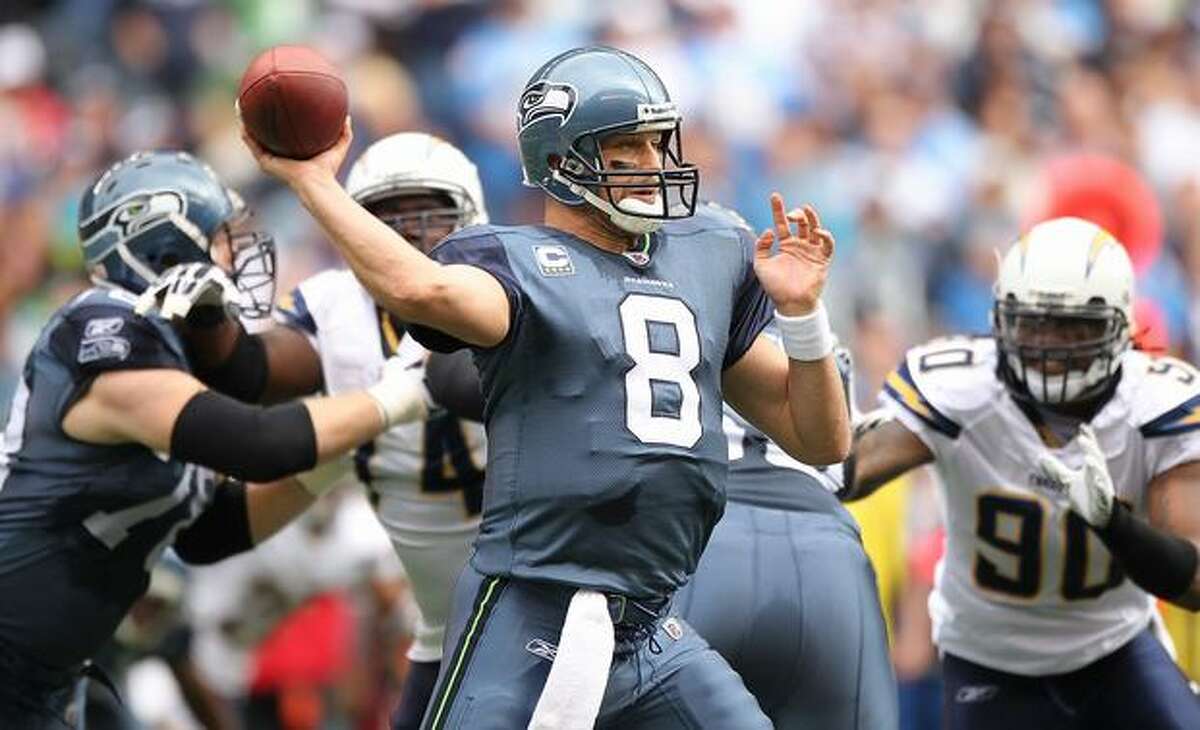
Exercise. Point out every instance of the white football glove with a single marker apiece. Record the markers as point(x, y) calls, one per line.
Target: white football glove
point(401, 393)
point(181, 288)
point(1089, 488)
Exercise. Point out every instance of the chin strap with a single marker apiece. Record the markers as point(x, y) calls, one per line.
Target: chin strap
point(635, 224)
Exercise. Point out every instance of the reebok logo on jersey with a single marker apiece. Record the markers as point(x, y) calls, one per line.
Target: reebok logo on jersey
point(553, 261)
point(103, 326)
point(976, 693)
point(542, 648)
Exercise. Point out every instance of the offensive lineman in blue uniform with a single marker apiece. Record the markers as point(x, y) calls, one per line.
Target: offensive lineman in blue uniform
point(807, 634)
point(605, 340)
point(112, 449)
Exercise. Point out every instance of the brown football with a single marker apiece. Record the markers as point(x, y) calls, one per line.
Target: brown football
point(292, 101)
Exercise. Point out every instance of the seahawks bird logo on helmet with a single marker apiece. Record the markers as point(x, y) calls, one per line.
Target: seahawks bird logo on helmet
point(544, 99)
point(136, 214)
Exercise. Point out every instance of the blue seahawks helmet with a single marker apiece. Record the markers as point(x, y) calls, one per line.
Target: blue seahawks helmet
point(575, 100)
point(154, 210)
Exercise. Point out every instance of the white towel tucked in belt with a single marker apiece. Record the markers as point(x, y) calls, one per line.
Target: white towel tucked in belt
point(571, 698)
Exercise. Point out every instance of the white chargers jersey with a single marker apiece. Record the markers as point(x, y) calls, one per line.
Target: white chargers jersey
point(1025, 586)
point(425, 478)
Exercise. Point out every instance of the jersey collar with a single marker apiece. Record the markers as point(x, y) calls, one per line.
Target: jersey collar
point(640, 253)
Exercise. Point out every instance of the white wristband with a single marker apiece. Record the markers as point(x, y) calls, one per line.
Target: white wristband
point(806, 338)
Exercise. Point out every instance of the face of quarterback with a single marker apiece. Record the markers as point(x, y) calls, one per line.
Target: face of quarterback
point(423, 219)
point(633, 151)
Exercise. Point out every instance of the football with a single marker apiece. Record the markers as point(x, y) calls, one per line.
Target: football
point(292, 101)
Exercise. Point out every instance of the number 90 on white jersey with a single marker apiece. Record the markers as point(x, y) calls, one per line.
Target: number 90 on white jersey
point(1025, 586)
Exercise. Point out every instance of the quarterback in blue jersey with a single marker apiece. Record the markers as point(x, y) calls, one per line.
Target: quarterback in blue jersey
point(113, 451)
point(606, 340)
point(807, 634)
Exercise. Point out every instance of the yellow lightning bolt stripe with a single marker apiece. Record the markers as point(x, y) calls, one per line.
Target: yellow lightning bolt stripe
point(911, 397)
point(1099, 241)
point(1191, 418)
point(389, 332)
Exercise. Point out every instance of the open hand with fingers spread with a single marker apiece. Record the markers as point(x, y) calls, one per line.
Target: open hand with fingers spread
point(794, 276)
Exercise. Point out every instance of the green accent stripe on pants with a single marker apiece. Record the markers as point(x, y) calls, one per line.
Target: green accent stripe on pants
point(485, 601)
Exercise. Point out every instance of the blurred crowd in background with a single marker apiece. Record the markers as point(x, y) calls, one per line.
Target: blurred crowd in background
point(924, 131)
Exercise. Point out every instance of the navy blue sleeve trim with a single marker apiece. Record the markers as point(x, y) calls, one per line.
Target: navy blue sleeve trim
point(484, 251)
point(1180, 419)
point(901, 386)
point(294, 313)
point(752, 308)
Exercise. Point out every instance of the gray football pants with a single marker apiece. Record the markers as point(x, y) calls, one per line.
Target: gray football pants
point(789, 599)
point(499, 646)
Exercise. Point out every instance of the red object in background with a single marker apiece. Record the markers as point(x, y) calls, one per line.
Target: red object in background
point(1107, 192)
point(293, 101)
point(45, 118)
point(1149, 327)
point(312, 647)
point(924, 553)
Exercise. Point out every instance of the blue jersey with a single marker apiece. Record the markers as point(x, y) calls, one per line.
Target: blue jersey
point(762, 474)
point(606, 457)
point(81, 524)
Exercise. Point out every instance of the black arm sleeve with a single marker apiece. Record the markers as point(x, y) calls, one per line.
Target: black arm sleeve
point(453, 384)
point(244, 374)
point(221, 530)
point(1161, 564)
point(247, 442)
